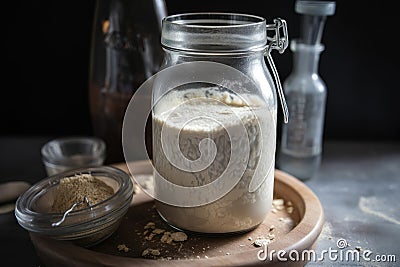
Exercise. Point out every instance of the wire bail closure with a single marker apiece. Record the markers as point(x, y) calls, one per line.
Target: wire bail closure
point(85, 200)
point(278, 42)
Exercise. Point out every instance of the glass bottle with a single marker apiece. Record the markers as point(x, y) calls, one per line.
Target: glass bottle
point(305, 90)
point(214, 121)
point(125, 52)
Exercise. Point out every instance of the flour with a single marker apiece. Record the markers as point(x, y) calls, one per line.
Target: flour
point(326, 233)
point(378, 208)
point(72, 190)
point(212, 114)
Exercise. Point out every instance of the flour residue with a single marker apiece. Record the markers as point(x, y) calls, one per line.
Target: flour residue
point(379, 208)
point(326, 232)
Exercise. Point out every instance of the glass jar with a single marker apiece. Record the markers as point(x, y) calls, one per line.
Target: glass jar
point(125, 51)
point(84, 227)
point(214, 121)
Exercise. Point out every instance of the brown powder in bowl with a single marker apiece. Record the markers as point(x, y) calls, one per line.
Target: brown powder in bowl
point(73, 189)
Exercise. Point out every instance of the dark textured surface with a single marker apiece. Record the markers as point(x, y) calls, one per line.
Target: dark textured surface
point(358, 185)
point(353, 175)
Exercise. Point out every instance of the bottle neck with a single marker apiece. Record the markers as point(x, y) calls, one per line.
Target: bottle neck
point(306, 57)
point(312, 27)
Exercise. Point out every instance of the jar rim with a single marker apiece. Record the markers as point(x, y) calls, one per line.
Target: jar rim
point(174, 19)
point(50, 150)
point(214, 32)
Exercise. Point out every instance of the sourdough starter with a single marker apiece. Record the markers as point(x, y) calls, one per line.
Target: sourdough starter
point(212, 113)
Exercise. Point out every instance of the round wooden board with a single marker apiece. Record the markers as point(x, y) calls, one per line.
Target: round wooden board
point(297, 230)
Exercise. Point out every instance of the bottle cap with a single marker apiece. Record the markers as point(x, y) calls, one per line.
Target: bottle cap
point(316, 8)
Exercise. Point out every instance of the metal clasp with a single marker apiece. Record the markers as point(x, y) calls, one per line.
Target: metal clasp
point(278, 42)
point(85, 200)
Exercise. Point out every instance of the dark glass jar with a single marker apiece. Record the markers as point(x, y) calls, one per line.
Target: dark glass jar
point(125, 52)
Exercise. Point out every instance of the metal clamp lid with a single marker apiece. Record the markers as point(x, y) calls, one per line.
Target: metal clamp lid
point(278, 42)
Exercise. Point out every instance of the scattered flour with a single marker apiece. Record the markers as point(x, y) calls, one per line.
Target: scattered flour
point(377, 207)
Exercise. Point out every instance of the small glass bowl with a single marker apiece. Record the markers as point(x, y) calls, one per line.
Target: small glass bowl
point(85, 227)
point(69, 153)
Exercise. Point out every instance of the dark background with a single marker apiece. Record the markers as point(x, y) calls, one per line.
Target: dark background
point(46, 52)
